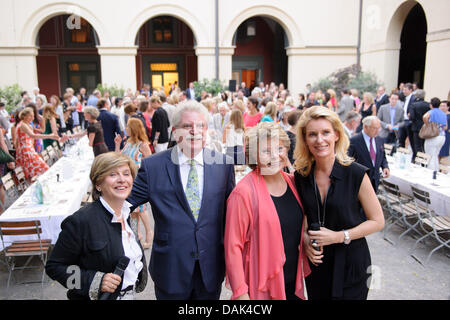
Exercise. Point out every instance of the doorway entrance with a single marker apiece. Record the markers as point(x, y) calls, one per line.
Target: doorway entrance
point(163, 75)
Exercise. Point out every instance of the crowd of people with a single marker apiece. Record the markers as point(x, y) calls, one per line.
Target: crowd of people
point(176, 154)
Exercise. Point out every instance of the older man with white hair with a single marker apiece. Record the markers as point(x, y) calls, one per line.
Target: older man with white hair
point(221, 119)
point(368, 149)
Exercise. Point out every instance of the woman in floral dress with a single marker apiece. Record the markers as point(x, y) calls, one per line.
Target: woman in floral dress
point(26, 155)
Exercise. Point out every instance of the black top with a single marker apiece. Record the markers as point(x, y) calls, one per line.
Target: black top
point(343, 265)
point(290, 214)
point(292, 138)
point(160, 123)
point(98, 144)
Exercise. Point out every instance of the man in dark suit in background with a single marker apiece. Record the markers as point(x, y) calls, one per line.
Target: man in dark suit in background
point(110, 124)
point(187, 187)
point(382, 98)
point(190, 92)
point(405, 131)
point(367, 149)
point(418, 108)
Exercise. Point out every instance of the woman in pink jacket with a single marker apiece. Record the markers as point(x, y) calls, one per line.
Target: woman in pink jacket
point(265, 222)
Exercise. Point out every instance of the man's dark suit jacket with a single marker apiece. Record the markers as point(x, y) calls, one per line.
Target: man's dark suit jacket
point(180, 240)
point(358, 150)
point(89, 240)
point(110, 125)
point(383, 101)
point(416, 112)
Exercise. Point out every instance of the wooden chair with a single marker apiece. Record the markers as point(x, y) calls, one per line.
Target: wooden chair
point(432, 224)
point(30, 248)
point(388, 148)
point(22, 183)
point(422, 159)
point(57, 148)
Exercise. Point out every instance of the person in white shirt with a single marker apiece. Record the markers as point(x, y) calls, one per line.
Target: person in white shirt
point(221, 119)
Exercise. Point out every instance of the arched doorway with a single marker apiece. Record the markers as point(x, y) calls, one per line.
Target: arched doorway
point(260, 54)
point(413, 47)
point(67, 55)
point(165, 54)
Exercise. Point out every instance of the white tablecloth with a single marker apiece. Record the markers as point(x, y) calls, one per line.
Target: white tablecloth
point(422, 178)
point(61, 198)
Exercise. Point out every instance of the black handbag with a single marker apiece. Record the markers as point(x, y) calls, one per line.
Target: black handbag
point(5, 157)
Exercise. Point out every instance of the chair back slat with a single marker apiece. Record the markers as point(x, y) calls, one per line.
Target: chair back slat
point(16, 228)
point(421, 195)
point(20, 232)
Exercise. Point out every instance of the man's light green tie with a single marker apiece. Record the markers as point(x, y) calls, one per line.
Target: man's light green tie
point(192, 190)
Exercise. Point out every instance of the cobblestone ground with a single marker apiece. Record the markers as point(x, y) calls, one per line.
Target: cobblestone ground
point(398, 276)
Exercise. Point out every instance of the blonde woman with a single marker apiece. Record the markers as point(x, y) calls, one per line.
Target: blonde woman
point(334, 189)
point(238, 104)
point(367, 108)
point(233, 137)
point(332, 103)
point(137, 148)
point(270, 113)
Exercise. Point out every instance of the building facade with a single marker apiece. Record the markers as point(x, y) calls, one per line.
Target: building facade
point(55, 44)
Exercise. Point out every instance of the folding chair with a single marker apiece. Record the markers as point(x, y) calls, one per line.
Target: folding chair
point(52, 155)
point(399, 209)
point(388, 148)
point(57, 148)
point(29, 248)
point(11, 192)
point(422, 159)
point(44, 153)
point(22, 183)
point(431, 223)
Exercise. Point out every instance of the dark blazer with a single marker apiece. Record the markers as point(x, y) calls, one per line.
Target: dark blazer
point(358, 150)
point(188, 94)
point(89, 240)
point(110, 125)
point(179, 240)
point(416, 112)
point(383, 101)
point(408, 107)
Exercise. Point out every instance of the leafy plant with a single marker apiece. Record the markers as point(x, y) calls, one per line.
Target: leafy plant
point(211, 86)
point(114, 90)
point(351, 77)
point(10, 95)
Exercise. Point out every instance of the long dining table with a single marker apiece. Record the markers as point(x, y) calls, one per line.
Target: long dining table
point(64, 184)
point(408, 174)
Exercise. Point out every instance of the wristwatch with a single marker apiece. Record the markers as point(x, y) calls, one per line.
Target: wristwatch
point(346, 237)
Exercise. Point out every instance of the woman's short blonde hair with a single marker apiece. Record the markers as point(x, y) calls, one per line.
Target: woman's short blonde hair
point(239, 104)
point(271, 110)
point(262, 131)
point(92, 111)
point(369, 97)
point(25, 112)
point(304, 158)
point(103, 164)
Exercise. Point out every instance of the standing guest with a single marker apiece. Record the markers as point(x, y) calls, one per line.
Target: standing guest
point(98, 235)
point(168, 107)
point(48, 123)
point(391, 117)
point(137, 148)
point(221, 119)
point(187, 187)
point(190, 92)
point(332, 103)
point(418, 108)
point(14, 126)
point(434, 145)
point(238, 104)
point(95, 131)
point(334, 189)
point(252, 116)
point(26, 155)
point(405, 130)
point(132, 112)
point(445, 148)
point(93, 98)
point(233, 137)
point(368, 150)
point(160, 126)
point(9, 165)
point(293, 117)
point(265, 223)
point(56, 103)
point(367, 108)
point(382, 97)
point(3, 112)
point(270, 113)
point(36, 125)
point(351, 123)
point(355, 97)
point(39, 104)
point(345, 105)
point(301, 101)
point(109, 123)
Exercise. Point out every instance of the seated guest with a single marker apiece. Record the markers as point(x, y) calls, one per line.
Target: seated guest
point(94, 238)
point(367, 149)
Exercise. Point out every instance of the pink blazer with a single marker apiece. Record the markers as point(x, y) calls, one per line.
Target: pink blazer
point(254, 251)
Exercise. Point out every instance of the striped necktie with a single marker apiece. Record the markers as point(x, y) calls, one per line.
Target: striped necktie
point(192, 190)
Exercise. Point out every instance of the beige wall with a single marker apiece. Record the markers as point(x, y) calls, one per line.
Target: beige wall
point(322, 36)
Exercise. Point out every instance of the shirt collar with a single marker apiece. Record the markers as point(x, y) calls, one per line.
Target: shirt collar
point(182, 159)
point(125, 209)
point(366, 137)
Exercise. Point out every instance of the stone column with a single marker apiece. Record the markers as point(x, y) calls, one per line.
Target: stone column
point(226, 63)
point(118, 66)
point(18, 65)
point(206, 64)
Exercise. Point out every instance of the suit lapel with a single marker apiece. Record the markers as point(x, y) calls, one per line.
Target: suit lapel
point(207, 172)
point(366, 152)
point(173, 171)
